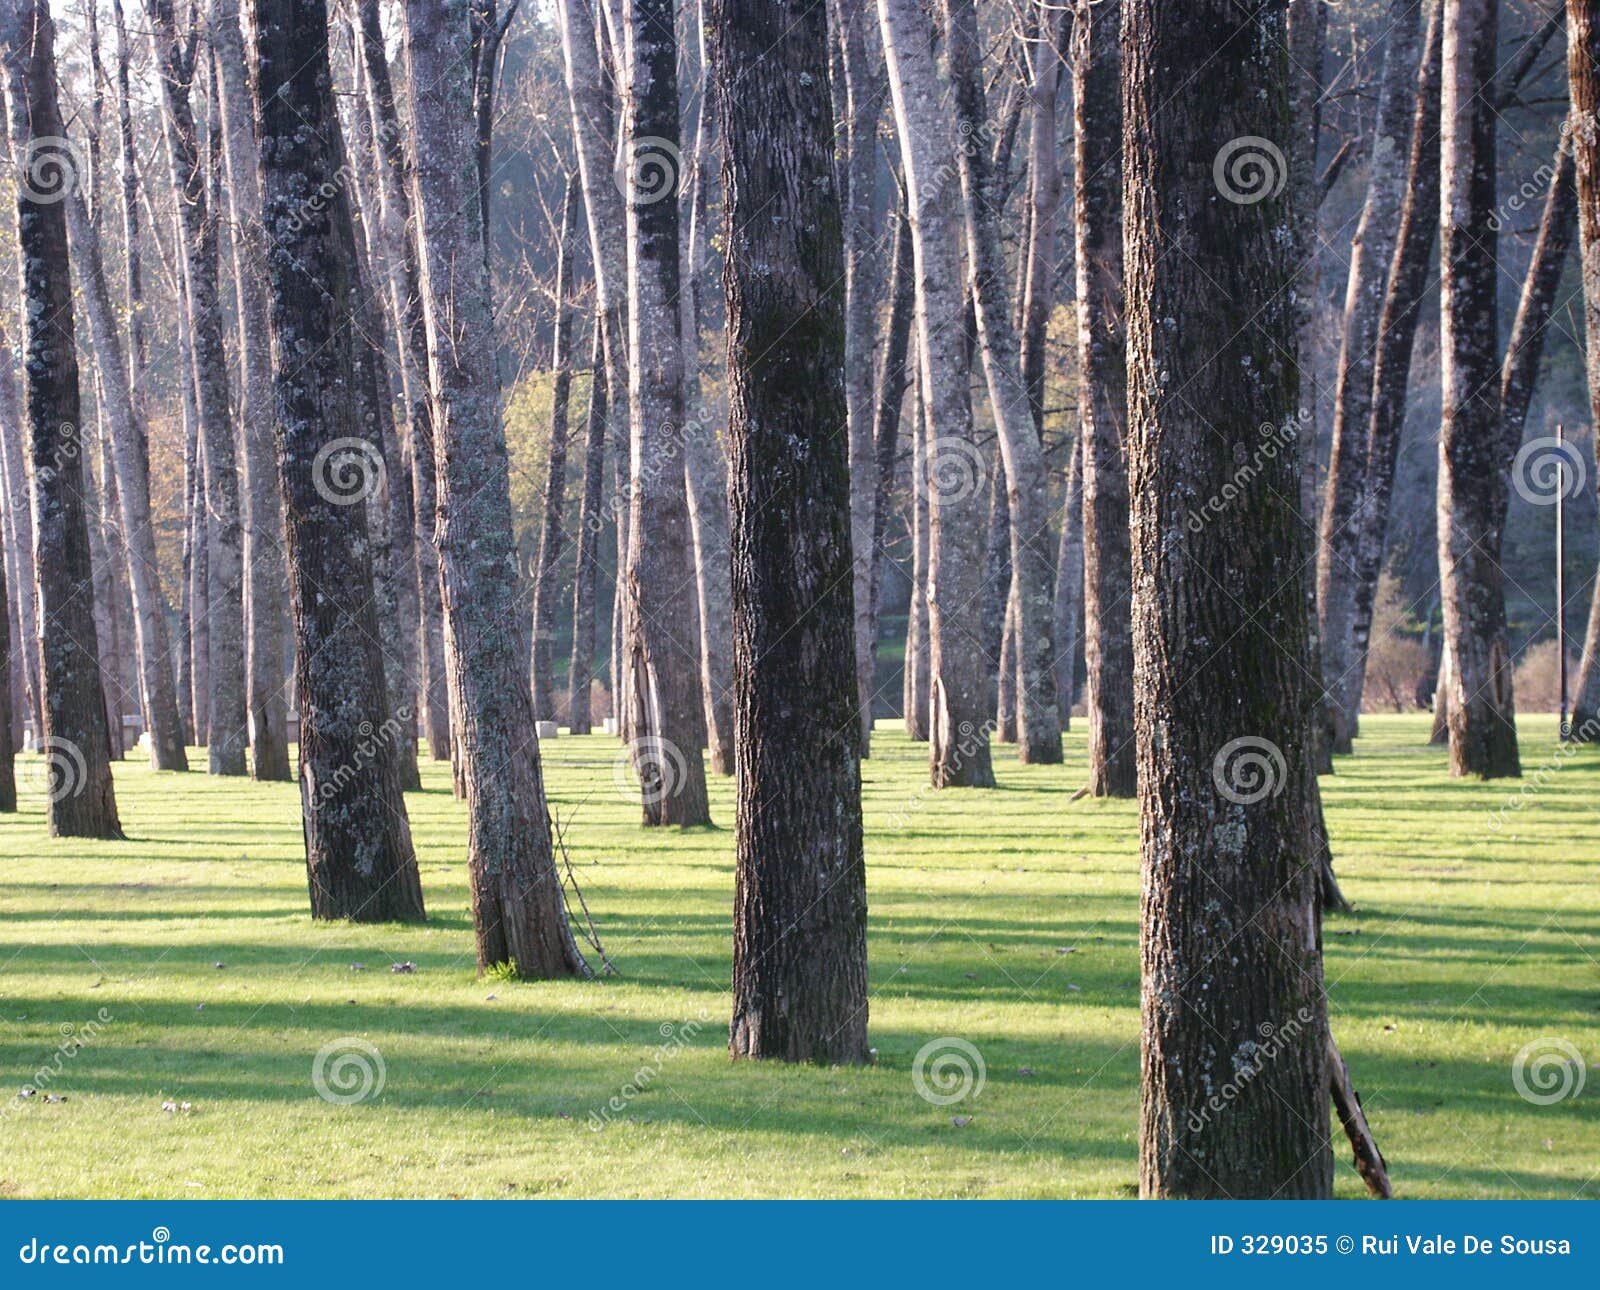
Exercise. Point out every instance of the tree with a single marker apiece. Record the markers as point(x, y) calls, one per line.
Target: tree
point(8, 748)
point(800, 901)
point(517, 905)
point(952, 470)
point(591, 524)
point(1231, 938)
point(660, 694)
point(82, 800)
point(1473, 476)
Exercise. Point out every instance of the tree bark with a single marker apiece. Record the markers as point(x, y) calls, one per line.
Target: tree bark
point(1583, 76)
point(800, 900)
point(1069, 581)
point(81, 800)
point(517, 904)
point(1473, 479)
point(958, 724)
point(8, 747)
point(19, 539)
point(591, 527)
point(1230, 944)
point(918, 649)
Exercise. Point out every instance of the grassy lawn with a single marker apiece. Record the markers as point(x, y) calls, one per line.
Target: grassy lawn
point(183, 967)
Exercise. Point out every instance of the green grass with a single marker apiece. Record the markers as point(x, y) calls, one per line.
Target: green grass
point(1470, 941)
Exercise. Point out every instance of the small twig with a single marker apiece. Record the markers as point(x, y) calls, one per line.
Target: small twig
point(1369, 1161)
point(587, 930)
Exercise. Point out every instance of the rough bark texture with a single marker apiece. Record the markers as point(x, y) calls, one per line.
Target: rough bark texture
point(1230, 942)
point(261, 512)
point(1370, 256)
point(517, 903)
point(591, 526)
point(19, 543)
point(1583, 75)
point(1044, 203)
point(952, 473)
point(919, 652)
point(1473, 475)
point(8, 746)
point(81, 800)
point(662, 663)
point(1102, 396)
point(1069, 580)
point(800, 900)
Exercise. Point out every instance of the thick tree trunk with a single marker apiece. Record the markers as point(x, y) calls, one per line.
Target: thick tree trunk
point(1473, 479)
point(952, 474)
point(1227, 784)
point(591, 527)
point(800, 900)
point(1102, 396)
point(662, 663)
point(517, 904)
point(1583, 75)
point(81, 800)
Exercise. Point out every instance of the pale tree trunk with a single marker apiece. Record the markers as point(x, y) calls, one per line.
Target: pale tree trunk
point(918, 649)
point(1102, 396)
point(228, 718)
point(1473, 479)
point(1044, 209)
point(800, 898)
point(552, 534)
point(261, 511)
point(102, 562)
point(158, 692)
point(1369, 265)
point(518, 910)
point(8, 743)
point(662, 663)
point(591, 527)
point(1027, 486)
point(19, 539)
point(81, 801)
point(1069, 580)
point(1230, 943)
point(953, 465)
point(1583, 75)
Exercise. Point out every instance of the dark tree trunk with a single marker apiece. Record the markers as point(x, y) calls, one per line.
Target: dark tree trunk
point(359, 854)
point(591, 528)
point(1102, 396)
point(800, 901)
point(1473, 479)
point(1231, 947)
point(1583, 75)
point(517, 905)
point(82, 802)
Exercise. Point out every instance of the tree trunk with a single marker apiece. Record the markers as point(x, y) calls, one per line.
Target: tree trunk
point(8, 747)
point(1103, 398)
point(81, 800)
point(800, 900)
point(958, 724)
point(19, 541)
point(517, 904)
point(918, 649)
point(1069, 581)
point(1227, 784)
point(1583, 75)
point(591, 527)
point(1473, 481)
point(1044, 209)
point(662, 660)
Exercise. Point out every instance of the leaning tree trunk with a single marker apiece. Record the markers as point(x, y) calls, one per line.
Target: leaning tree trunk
point(591, 527)
point(1223, 707)
point(228, 717)
point(1370, 256)
point(1583, 75)
point(1473, 479)
point(158, 691)
point(800, 899)
point(662, 657)
point(952, 474)
point(517, 905)
point(81, 800)
point(1103, 399)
